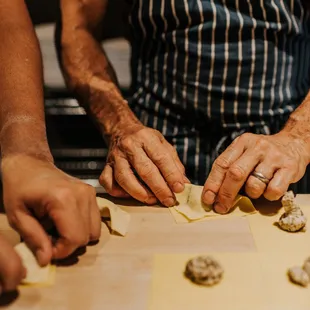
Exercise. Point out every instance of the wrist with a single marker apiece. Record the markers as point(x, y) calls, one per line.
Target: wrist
point(299, 137)
point(24, 136)
point(114, 118)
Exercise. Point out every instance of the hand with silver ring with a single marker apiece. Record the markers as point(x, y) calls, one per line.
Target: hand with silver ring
point(260, 177)
point(265, 165)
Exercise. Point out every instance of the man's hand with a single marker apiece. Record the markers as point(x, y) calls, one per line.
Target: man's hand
point(11, 268)
point(281, 158)
point(36, 191)
point(145, 151)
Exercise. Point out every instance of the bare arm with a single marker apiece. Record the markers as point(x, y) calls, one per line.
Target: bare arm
point(298, 124)
point(33, 188)
point(132, 146)
point(87, 71)
point(22, 123)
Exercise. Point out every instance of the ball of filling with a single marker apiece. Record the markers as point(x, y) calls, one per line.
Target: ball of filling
point(204, 270)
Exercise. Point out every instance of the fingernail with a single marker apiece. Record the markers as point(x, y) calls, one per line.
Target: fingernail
point(209, 197)
point(169, 202)
point(178, 187)
point(219, 208)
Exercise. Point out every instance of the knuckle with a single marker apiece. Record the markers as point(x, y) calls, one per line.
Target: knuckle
point(236, 173)
point(253, 190)
point(159, 135)
point(246, 136)
point(121, 176)
point(126, 143)
point(277, 158)
point(160, 158)
point(13, 220)
point(161, 192)
point(79, 239)
point(222, 163)
point(171, 175)
point(261, 143)
point(63, 194)
point(144, 133)
point(226, 194)
point(95, 235)
point(146, 172)
point(292, 165)
point(86, 190)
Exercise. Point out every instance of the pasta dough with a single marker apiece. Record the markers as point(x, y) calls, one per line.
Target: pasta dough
point(190, 207)
point(36, 275)
point(119, 218)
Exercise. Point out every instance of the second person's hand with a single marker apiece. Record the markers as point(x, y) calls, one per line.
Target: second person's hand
point(145, 151)
point(35, 190)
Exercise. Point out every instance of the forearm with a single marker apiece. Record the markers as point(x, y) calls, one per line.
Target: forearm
point(90, 76)
point(298, 124)
point(22, 124)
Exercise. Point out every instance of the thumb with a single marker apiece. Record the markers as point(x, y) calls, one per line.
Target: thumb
point(33, 235)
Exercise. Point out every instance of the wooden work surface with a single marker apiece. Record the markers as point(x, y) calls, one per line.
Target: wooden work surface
point(115, 274)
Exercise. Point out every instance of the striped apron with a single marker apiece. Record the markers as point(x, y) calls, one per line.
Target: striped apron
point(206, 71)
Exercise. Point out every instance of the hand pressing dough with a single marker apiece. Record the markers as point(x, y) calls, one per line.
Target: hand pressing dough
point(119, 218)
point(41, 276)
point(293, 218)
point(190, 208)
point(204, 270)
point(36, 275)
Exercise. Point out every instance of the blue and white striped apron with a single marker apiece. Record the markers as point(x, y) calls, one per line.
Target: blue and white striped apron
point(206, 71)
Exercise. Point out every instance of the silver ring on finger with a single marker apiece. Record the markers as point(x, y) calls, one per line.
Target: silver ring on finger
point(260, 177)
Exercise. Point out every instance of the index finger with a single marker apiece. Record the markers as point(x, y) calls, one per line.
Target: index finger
point(219, 170)
point(32, 233)
point(70, 227)
point(235, 177)
point(166, 164)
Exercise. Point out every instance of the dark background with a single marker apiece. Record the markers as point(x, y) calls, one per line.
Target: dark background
point(46, 11)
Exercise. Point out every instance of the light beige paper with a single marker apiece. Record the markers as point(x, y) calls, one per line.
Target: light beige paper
point(190, 208)
point(270, 238)
point(238, 289)
point(255, 281)
point(278, 291)
point(36, 275)
point(119, 218)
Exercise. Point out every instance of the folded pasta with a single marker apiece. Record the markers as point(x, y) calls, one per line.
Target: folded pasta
point(190, 208)
point(36, 275)
point(119, 218)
